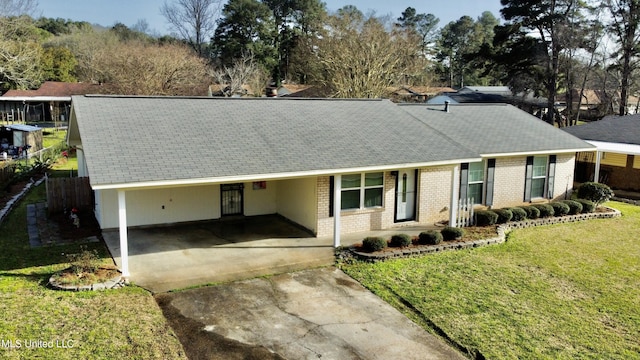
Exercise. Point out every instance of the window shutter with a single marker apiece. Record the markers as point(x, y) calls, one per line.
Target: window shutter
point(527, 179)
point(464, 180)
point(491, 168)
point(551, 176)
point(331, 187)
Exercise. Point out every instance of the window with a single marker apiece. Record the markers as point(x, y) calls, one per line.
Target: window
point(362, 190)
point(476, 181)
point(538, 176)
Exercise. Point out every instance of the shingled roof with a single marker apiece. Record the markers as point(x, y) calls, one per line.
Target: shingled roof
point(142, 141)
point(56, 89)
point(496, 129)
point(613, 129)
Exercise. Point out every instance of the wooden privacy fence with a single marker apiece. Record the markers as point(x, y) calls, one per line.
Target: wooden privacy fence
point(67, 193)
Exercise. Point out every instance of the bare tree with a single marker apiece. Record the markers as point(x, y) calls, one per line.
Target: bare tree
point(361, 59)
point(19, 55)
point(18, 7)
point(625, 27)
point(137, 68)
point(231, 80)
point(193, 20)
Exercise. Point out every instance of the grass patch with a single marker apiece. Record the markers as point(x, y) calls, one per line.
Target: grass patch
point(554, 292)
point(114, 324)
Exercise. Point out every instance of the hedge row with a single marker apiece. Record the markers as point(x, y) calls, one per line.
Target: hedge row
point(557, 208)
point(431, 237)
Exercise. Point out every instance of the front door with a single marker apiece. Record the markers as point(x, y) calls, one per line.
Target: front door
point(406, 195)
point(231, 199)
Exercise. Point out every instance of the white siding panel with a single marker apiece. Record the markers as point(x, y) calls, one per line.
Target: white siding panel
point(297, 201)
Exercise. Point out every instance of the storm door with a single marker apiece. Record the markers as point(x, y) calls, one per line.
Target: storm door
point(406, 195)
point(231, 199)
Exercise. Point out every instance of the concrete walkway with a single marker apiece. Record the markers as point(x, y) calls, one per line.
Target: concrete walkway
point(312, 314)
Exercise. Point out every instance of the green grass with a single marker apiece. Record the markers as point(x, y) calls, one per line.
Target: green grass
point(113, 324)
point(555, 292)
point(53, 137)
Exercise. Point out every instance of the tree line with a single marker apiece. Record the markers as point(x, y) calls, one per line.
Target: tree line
point(544, 47)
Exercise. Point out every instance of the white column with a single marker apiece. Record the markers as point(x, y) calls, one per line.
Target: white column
point(455, 194)
point(337, 199)
point(596, 175)
point(124, 244)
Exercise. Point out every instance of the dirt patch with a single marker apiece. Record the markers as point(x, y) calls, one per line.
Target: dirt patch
point(201, 344)
point(68, 231)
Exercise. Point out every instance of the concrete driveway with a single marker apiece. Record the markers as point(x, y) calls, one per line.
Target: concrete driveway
point(175, 257)
point(311, 314)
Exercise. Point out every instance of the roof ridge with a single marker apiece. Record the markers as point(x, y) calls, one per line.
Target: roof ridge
point(165, 97)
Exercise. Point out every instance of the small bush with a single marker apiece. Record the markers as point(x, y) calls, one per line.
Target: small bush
point(504, 215)
point(451, 233)
point(532, 212)
point(374, 243)
point(486, 217)
point(518, 214)
point(587, 205)
point(596, 192)
point(575, 207)
point(400, 240)
point(560, 208)
point(84, 262)
point(430, 237)
point(546, 210)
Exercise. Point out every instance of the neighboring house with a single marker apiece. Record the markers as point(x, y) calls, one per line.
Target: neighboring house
point(617, 160)
point(50, 103)
point(417, 93)
point(332, 166)
point(491, 95)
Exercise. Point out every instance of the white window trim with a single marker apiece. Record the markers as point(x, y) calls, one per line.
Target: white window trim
point(362, 189)
point(484, 185)
point(545, 177)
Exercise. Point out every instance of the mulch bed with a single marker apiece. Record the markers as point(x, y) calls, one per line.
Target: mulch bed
point(88, 226)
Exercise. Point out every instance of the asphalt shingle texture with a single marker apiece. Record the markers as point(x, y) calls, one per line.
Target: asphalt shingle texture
point(495, 129)
point(614, 129)
point(147, 139)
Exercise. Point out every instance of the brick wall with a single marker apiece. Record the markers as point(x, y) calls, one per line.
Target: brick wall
point(434, 196)
point(510, 176)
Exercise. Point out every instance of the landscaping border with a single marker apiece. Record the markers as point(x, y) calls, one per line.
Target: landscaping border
point(116, 282)
point(16, 198)
point(501, 232)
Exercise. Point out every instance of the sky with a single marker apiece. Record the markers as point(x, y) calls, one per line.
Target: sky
point(109, 12)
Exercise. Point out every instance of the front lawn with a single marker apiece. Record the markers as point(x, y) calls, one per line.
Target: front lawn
point(114, 324)
point(553, 292)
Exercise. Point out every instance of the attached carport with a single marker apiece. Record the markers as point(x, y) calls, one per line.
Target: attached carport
point(164, 258)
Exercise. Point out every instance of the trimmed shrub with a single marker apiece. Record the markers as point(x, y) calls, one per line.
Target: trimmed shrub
point(504, 215)
point(587, 205)
point(560, 208)
point(518, 213)
point(400, 240)
point(486, 217)
point(431, 237)
point(546, 210)
point(374, 243)
point(575, 207)
point(451, 233)
point(596, 192)
point(532, 212)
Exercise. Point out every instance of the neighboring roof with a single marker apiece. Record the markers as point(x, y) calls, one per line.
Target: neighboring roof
point(496, 129)
point(24, 128)
point(613, 129)
point(55, 89)
point(469, 97)
point(497, 90)
point(149, 141)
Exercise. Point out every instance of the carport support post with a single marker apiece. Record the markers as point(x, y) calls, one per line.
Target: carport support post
point(596, 175)
point(455, 194)
point(124, 244)
point(337, 199)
